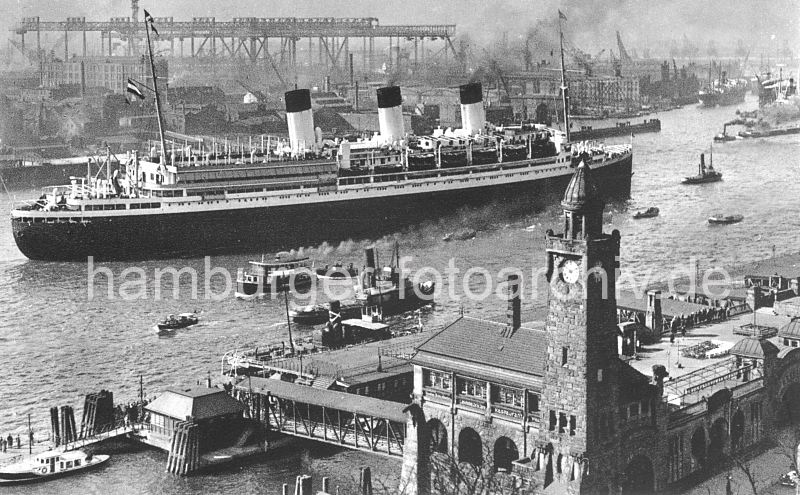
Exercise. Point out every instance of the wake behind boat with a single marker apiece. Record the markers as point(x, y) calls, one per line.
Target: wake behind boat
point(48, 465)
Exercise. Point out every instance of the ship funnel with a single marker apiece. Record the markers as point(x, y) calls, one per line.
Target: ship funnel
point(473, 115)
point(369, 273)
point(300, 120)
point(390, 114)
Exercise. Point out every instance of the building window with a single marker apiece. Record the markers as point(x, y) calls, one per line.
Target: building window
point(645, 407)
point(533, 402)
point(562, 422)
point(600, 375)
point(471, 388)
point(507, 396)
point(552, 420)
point(572, 425)
point(436, 379)
point(633, 410)
point(564, 352)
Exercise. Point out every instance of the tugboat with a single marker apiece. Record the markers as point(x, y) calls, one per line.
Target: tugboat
point(648, 213)
point(724, 136)
point(385, 289)
point(337, 272)
point(719, 218)
point(286, 272)
point(172, 323)
point(49, 465)
point(705, 174)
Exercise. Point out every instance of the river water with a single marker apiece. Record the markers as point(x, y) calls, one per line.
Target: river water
point(64, 334)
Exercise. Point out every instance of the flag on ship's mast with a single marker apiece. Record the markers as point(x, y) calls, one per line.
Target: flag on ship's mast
point(133, 89)
point(149, 19)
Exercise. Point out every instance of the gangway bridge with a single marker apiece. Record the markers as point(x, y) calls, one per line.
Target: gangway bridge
point(351, 421)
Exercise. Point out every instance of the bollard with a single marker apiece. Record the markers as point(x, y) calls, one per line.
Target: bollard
point(365, 484)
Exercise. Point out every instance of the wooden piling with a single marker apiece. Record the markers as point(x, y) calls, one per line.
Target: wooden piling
point(54, 426)
point(365, 483)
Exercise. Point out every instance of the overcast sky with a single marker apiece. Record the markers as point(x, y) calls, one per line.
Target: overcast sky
point(592, 23)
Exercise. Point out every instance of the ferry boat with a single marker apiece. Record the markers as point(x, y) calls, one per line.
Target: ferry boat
point(285, 273)
point(47, 465)
point(183, 201)
point(719, 218)
point(172, 323)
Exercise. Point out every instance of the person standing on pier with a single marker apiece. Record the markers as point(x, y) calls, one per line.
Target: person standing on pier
point(10, 441)
point(19, 443)
point(3, 440)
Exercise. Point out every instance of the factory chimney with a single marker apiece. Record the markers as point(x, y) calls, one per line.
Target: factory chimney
point(300, 120)
point(473, 114)
point(390, 114)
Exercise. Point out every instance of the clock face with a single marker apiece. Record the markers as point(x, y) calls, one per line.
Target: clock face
point(570, 271)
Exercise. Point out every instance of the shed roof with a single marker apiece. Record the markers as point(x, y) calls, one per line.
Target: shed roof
point(753, 347)
point(791, 329)
point(197, 402)
point(669, 307)
point(489, 343)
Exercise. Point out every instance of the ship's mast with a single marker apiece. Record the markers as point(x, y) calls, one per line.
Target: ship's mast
point(162, 166)
point(564, 89)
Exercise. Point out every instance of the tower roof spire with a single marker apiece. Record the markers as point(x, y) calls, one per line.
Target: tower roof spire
point(581, 193)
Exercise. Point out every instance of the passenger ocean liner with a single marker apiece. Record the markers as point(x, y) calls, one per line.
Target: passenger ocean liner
point(283, 195)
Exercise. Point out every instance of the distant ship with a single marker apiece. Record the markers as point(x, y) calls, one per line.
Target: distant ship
point(723, 91)
point(283, 194)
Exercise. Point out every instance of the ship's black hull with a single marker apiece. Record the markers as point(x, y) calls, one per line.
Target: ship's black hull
point(137, 237)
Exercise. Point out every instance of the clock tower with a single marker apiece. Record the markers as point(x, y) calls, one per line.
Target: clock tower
point(580, 390)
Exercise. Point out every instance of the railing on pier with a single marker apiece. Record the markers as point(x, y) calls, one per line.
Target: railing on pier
point(117, 429)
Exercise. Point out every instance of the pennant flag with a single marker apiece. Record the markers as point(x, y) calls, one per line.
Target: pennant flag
point(149, 19)
point(561, 15)
point(134, 90)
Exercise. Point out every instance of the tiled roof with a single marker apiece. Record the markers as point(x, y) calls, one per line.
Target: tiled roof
point(753, 347)
point(486, 343)
point(197, 402)
point(791, 330)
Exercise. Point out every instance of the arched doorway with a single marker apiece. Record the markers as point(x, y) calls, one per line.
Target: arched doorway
point(470, 447)
point(737, 431)
point(718, 441)
point(639, 476)
point(790, 405)
point(505, 451)
point(438, 436)
point(699, 446)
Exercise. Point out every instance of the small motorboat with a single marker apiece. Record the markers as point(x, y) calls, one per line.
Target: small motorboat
point(648, 213)
point(463, 235)
point(724, 136)
point(50, 464)
point(720, 218)
point(704, 174)
point(172, 323)
point(790, 479)
point(337, 272)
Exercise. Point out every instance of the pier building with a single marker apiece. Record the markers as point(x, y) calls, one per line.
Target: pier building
point(565, 409)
